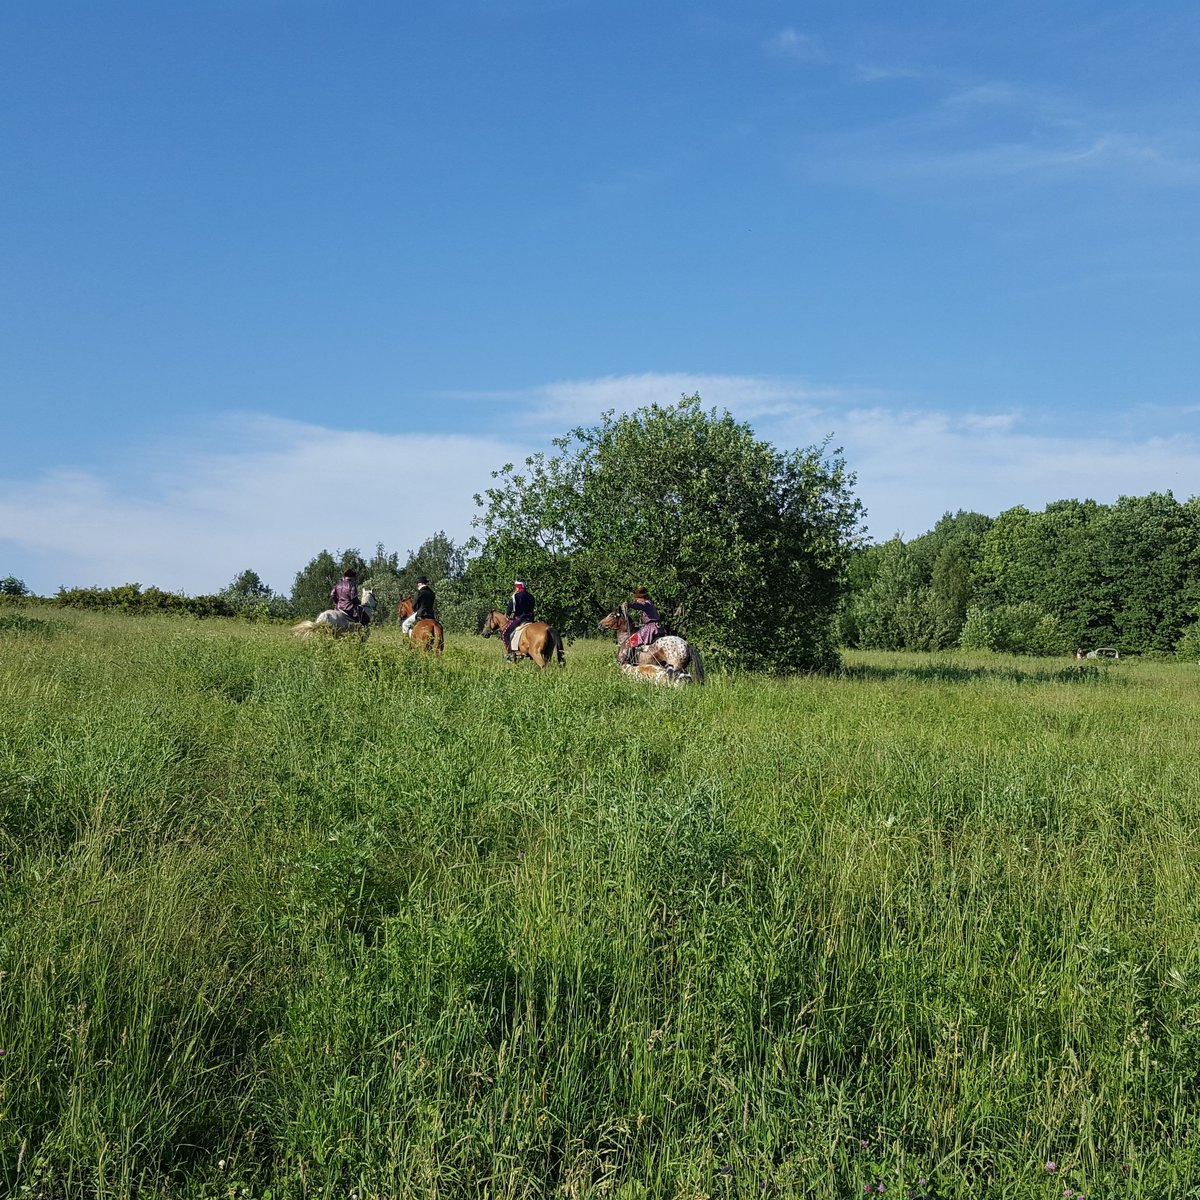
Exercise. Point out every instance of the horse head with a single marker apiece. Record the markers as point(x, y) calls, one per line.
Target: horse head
point(404, 608)
point(492, 622)
point(368, 599)
point(615, 622)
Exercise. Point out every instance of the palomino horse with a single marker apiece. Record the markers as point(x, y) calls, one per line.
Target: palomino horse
point(334, 621)
point(534, 639)
point(667, 659)
point(426, 634)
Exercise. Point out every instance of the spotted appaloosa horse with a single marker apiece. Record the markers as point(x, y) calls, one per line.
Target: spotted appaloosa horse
point(426, 634)
point(334, 621)
point(534, 639)
point(666, 660)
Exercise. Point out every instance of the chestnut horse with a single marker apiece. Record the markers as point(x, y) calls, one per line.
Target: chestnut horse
point(534, 639)
point(426, 634)
point(334, 621)
point(670, 658)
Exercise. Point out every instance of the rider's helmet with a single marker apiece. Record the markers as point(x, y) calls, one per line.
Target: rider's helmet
point(422, 580)
point(640, 593)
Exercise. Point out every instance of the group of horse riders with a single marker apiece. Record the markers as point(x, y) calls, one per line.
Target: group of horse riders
point(518, 611)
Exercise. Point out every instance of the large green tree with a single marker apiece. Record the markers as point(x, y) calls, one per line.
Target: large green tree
point(742, 545)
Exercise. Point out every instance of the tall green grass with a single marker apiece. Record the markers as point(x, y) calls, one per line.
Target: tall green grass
point(325, 919)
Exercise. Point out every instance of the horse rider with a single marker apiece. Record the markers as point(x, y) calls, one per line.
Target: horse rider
point(423, 603)
point(518, 610)
point(648, 630)
point(344, 597)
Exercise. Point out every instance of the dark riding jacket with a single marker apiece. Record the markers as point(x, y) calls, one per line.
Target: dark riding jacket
point(423, 603)
point(520, 607)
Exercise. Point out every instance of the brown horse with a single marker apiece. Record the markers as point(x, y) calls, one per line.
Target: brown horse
point(670, 658)
point(534, 639)
point(426, 634)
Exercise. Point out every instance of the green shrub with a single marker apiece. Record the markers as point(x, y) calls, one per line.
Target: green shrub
point(1188, 646)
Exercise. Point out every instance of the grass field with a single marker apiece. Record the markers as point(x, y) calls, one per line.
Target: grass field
point(299, 920)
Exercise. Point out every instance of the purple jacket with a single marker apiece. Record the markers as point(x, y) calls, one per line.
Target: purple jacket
point(345, 595)
point(648, 630)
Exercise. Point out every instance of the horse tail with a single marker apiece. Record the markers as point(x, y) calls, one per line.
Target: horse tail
point(439, 636)
point(556, 642)
point(696, 664)
point(304, 628)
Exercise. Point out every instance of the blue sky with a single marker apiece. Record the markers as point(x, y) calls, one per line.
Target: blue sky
point(280, 275)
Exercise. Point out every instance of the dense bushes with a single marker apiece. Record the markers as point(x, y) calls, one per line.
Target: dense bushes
point(131, 598)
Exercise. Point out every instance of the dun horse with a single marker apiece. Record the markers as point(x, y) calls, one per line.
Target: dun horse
point(426, 634)
point(534, 639)
point(334, 621)
point(667, 659)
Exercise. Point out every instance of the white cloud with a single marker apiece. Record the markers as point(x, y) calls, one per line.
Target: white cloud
point(913, 466)
point(575, 401)
point(288, 490)
point(791, 43)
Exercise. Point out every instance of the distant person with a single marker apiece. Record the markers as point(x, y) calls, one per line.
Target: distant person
point(344, 597)
point(423, 605)
point(1079, 652)
point(648, 630)
point(518, 610)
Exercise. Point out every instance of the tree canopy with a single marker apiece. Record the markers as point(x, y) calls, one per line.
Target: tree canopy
point(1079, 573)
point(742, 546)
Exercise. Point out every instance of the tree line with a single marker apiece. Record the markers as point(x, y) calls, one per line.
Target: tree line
point(1077, 574)
point(757, 554)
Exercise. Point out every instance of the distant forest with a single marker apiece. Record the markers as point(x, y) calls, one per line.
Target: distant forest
point(1078, 574)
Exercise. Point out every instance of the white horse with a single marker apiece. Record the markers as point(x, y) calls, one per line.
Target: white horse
point(337, 622)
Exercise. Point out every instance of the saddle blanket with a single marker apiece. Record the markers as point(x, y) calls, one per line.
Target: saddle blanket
point(518, 636)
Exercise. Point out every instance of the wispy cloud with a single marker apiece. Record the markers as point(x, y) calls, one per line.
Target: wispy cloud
point(202, 517)
point(791, 43)
point(572, 401)
point(291, 489)
point(957, 129)
point(913, 465)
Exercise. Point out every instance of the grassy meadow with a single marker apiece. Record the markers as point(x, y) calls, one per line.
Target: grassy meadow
point(290, 920)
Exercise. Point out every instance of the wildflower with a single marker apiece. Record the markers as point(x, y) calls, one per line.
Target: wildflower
point(1051, 1165)
point(221, 1164)
point(881, 1188)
